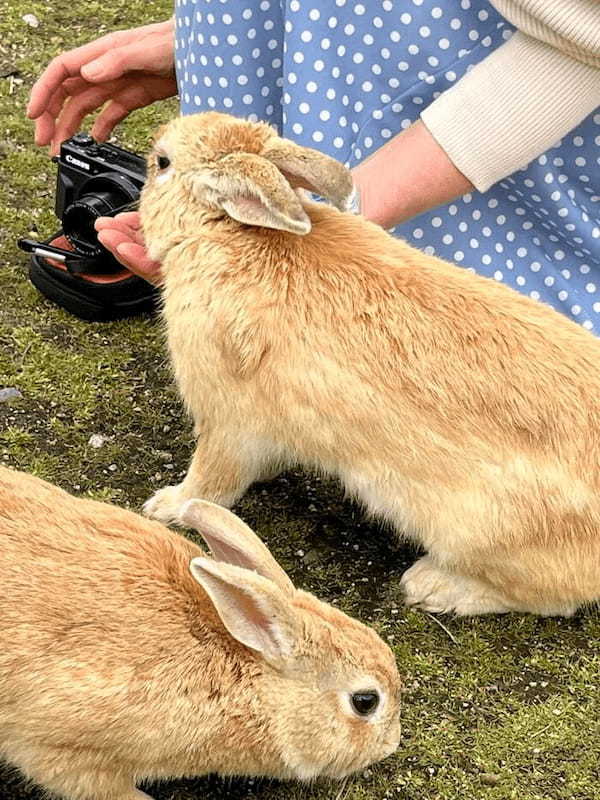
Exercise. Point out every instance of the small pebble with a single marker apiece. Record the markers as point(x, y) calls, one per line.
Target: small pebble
point(31, 20)
point(96, 440)
point(489, 779)
point(312, 557)
point(6, 395)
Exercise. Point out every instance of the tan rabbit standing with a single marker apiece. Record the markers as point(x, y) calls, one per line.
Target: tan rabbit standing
point(119, 663)
point(462, 413)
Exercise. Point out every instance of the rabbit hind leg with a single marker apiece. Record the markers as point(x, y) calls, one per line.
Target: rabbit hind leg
point(432, 588)
point(550, 578)
point(526, 583)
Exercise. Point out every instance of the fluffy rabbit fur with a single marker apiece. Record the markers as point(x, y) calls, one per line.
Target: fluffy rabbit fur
point(462, 413)
point(127, 654)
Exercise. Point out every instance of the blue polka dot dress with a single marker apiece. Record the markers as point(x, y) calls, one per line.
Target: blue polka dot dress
point(345, 76)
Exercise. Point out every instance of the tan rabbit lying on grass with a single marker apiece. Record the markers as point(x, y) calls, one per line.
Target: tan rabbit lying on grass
point(127, 654)
point(462, 413)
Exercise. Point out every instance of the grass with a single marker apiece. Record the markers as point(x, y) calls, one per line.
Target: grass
point(505, 707)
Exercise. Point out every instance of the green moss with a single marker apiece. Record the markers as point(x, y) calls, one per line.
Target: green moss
point(506, 708)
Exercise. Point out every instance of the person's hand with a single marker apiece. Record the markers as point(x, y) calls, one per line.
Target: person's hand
point(122, 236)
point(126, 70)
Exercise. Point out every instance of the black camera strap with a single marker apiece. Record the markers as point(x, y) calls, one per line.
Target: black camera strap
point(74, 262)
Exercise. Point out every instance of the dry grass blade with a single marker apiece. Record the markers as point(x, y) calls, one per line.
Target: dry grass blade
point(443, 627)
point(344, 789)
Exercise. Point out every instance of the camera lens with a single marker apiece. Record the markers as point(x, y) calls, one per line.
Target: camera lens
point(79, 218)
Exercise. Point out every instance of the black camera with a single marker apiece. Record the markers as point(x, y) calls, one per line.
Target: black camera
point(72, 268)
point(94, 180)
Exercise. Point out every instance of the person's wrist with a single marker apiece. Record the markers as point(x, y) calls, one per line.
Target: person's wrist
point(377, 200)
point(169, 32)
point(167, 40)
point(409, 175)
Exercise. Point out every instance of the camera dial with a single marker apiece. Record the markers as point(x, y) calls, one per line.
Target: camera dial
point(83, 139)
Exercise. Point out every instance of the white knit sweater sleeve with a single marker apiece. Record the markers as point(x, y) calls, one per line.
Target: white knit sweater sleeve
point(525, 95)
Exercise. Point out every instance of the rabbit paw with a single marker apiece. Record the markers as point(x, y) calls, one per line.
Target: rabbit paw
point(166, 504)
point(430, 588)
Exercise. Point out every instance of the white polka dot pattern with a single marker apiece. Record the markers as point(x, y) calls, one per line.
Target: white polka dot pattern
point(346, 76)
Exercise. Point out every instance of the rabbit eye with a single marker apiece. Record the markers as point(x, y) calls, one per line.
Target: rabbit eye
point(364, 703)
point(163, 162)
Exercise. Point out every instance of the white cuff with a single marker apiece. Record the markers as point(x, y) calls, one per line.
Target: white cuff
point(509, 108)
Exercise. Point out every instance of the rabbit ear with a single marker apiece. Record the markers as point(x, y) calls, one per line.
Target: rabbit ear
point(252, 608)
point(253, 191)
point(308, 169)
point(233, 542)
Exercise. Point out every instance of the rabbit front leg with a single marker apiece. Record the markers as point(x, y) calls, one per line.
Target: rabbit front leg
point(221, 470)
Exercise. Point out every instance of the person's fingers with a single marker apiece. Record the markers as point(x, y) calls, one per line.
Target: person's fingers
point(110, 224)
point(111, 238)
point(130, 218)
point(138, 91)
point(135, 52)
point(108, 119)
point(44, 129)
point(122, 236)
point(45, 124)
point(116, 225)
point(69, 64)
point(64, 66)
point(131, 254)
point(137, 260)
point(57, 100)
point(76, 108)
point(52, 77)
